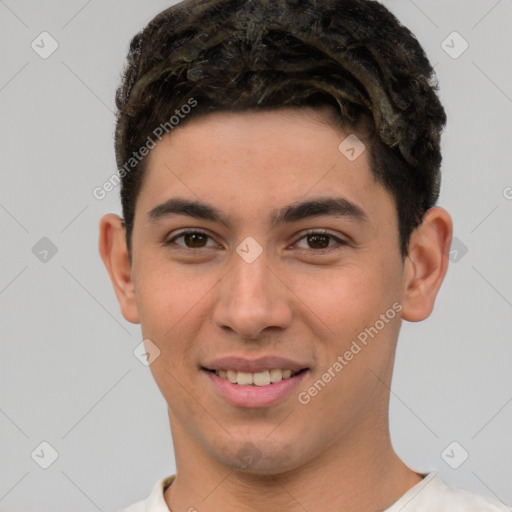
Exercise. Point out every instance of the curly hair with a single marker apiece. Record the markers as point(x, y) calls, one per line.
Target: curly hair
point(241, 55)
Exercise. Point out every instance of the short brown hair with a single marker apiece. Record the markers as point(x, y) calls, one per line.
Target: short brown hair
point(235, 55)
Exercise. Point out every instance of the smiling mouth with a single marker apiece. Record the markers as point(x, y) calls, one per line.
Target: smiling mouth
point(263, 378)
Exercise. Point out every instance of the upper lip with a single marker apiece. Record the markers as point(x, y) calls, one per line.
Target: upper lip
point(242, 364)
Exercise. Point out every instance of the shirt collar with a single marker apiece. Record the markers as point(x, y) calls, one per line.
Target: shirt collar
point(156, 501)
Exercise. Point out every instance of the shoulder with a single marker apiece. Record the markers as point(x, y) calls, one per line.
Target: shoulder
point(135, 507)
point(432, 494)
point(454, 498)
point(155, 502)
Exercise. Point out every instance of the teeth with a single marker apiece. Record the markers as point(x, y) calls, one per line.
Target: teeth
point(243, 378)
point(257, 379)
point(261, 378)
point(276, 375)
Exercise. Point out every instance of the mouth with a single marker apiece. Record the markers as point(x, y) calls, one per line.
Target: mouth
point(261, 378)
point(263, 388)
point(252, 383)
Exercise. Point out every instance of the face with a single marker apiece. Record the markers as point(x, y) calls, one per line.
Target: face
point(258, 246)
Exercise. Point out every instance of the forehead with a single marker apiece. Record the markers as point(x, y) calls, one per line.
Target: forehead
point(254, 162)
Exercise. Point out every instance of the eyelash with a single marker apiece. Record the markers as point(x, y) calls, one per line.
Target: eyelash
point(308, 233)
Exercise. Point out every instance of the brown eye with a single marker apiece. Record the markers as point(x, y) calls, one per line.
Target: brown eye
point(195, 239)
point(318, 241)
point(191, 239)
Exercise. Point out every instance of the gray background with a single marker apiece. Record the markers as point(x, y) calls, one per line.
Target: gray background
point(68, 373)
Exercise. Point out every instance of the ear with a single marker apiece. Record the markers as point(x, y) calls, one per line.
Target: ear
point(426, 264)
point(114, 253)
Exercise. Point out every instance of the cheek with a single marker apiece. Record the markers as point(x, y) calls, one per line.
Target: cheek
point(166, 296)
point(170, 313)
point(348, 299)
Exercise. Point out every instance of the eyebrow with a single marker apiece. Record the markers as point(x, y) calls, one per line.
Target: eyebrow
point(333, 206)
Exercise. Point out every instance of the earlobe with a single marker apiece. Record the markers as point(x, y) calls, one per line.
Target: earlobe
point(426, 264)
point(114, 253)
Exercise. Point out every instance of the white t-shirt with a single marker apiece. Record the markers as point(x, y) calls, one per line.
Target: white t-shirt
point(429, 495)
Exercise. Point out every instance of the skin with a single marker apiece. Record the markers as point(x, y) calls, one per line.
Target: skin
point(294, 300)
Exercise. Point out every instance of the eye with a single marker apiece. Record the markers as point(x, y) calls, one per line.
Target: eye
point(320, 239)
point(192, 239)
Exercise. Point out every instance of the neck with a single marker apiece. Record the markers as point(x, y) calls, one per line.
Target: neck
point(359, 472)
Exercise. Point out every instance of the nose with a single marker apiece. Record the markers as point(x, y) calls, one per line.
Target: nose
point(252, 299)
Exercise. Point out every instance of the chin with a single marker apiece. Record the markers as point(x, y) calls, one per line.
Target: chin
point(263, 457)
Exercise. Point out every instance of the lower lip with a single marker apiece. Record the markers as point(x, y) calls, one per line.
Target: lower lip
point(255, 396)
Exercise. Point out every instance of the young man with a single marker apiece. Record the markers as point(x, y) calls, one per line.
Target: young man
point(280, 165)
